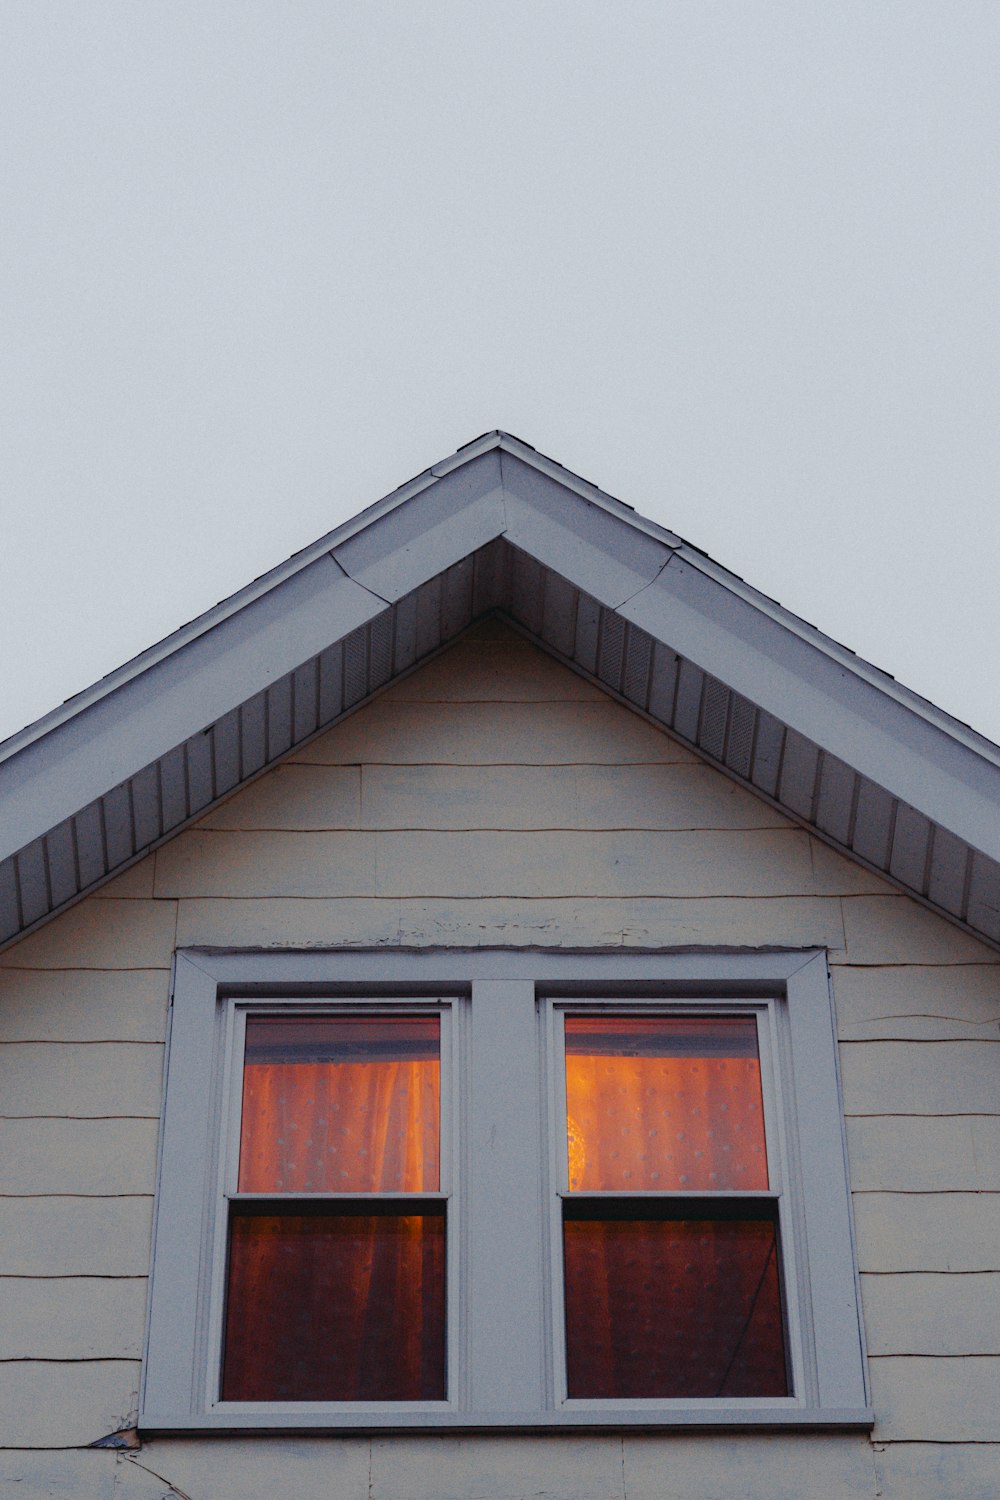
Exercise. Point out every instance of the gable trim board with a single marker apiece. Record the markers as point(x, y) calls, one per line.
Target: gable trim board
point(874, 770)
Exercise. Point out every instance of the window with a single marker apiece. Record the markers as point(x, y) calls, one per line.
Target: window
point(335, 1267)
point(449, 1190)
point(671, 1285)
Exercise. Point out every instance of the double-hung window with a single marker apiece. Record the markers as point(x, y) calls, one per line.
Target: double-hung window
point(672, 1282)
point(452, 1189)
point(335, 1280)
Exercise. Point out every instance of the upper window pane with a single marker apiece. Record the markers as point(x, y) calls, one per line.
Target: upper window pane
point(664, 1103)
point(341, 1104)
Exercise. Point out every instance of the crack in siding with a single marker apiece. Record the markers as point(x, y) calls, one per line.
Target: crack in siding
point(924, 1041)
point(87, 1118)
point(98, 1197)
point(113, 1041)
point(986, 1271)
point(74, 1359)
point(877, 1490)
point(171, 1488)
point(921, 1015)
point(69, 1276)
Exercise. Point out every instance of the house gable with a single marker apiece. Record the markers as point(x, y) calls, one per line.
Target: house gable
point(423, 770)
point(833, 743)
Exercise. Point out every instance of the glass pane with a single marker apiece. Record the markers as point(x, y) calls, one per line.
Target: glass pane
point(341, 1104)
point(665, 1308)
point(668, 1103)
point(335, 1307)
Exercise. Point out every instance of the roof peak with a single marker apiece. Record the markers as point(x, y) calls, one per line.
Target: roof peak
point(498, 525)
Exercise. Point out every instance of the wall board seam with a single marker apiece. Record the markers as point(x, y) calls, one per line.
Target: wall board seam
point(87, 1197)
point(602, 897)
point(79, 1117)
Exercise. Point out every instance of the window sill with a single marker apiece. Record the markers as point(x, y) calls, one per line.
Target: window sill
point(686, 1418)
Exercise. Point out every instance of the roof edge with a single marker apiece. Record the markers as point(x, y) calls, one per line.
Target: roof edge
point(507, 442)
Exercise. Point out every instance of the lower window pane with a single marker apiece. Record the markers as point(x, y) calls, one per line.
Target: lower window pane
point(673, 1308)
point(335, 1307)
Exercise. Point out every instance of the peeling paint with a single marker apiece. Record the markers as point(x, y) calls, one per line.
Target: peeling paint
point(123, 1437)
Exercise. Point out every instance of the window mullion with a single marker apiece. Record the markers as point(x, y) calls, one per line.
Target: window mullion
point(505, 1238)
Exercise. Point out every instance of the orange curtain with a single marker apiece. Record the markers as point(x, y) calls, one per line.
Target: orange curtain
point(338, 1301)
point(673, 1308)
point(342, 1123)
point(664, 1104)
point(335, 1307)
point(658, 1306)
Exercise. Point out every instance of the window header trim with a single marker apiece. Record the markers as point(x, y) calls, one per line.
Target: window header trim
point(633, 972)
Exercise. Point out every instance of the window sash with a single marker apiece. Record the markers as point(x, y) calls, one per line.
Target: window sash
point(230, 1197)
point(565, 1201)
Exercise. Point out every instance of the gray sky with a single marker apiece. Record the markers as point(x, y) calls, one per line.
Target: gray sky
point(734, 262)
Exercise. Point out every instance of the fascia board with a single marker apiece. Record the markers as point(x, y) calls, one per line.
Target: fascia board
point(399, 550)
point(178, 696)
point(181, 639)
point(390, 504)
point(828, 702)
point(582, 487)
point(498, 485)
point(882, 681)
point(600, 552)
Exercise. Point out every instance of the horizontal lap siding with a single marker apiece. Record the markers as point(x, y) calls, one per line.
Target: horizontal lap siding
point(317, 798)
point(915, 1154)
point(912, 1471)
point(78, 1080)
point(927, 1313)
point(83, 1011)
point(86, 1157)
point(69, 1235)
point(917, 1002)
point(101, 933)
point(83, 1005)
point(487, 863)
point(461, 921)
point(931, 1399)
point(441, 1468)
point(496, 799)
point(59, 1474)
point(930, 1231)
point(72, 1402)
point(72, 1317)
point(921, 1076)
point(521, 734)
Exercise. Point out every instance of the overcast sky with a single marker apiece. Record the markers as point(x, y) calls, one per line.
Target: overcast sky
point(734, 262)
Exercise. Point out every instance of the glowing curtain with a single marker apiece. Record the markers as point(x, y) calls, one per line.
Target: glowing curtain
point(343, 1300)
point(661, 1306)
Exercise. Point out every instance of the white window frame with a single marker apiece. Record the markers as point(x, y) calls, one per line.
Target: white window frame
point(502, 1082)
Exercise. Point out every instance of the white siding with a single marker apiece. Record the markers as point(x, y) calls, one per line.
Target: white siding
point(495, 798)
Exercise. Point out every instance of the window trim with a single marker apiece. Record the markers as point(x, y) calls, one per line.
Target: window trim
point(793, 986)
